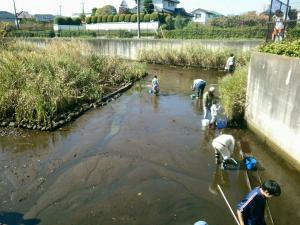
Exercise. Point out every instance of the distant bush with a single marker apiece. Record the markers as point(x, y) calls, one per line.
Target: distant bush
point(110, 18)
point(246, 20)
point(125, 34)
point(133, 18)
point(154, 16)
point(147, 18)
point(116, 18)
point(104, 18)
point(127, 18)
point(94, 19)
point(122, 18)
point(67, 21)
point(287, 48)
point(26, 33)
point(88, 20)
point(99, 19)
point(142, 17)
point(208, 32)
point(76, 33)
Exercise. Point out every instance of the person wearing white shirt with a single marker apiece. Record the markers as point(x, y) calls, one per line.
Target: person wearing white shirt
point(230, 64)
point(224, 147)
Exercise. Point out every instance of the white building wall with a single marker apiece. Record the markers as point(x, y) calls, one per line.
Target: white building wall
point(149, 26)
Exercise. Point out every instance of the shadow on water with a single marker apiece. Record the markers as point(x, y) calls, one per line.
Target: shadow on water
point(15, 218)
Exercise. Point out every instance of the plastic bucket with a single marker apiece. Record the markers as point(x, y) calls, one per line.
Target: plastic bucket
point(205, 122)
point(250, 163)
point(221, 124)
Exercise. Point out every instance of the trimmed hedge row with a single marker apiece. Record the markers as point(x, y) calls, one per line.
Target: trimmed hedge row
point(27, 33)
point(60, 20)
point(208, 32)
point(126, 18)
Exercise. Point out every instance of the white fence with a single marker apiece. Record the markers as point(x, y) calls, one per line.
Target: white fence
point(149, 26)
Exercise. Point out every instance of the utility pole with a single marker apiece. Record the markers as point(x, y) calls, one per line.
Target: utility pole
point(16, 16)
point(287, 10)
point(60, 6)
point(82, 3)
point(138, 18)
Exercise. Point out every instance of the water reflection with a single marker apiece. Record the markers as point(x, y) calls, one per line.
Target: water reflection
point(15, 218)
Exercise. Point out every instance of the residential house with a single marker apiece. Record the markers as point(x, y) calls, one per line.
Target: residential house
point(44, 17)
point(202, 15)
point(24, 15)
point(7, 17)
point(166, 6)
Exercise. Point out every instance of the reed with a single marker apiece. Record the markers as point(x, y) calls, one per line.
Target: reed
point(40, 82)
point(233, 95)
point(192, 56)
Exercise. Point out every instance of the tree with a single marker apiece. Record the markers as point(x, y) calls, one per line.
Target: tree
point(148, 6)
point(94, 11)
point(106, 10)
point(123, 8)
point(292, 16)
point(180, 22)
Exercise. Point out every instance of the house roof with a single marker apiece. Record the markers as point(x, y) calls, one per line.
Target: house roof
point(182, 12)
point(24, 15)
point(206, 11)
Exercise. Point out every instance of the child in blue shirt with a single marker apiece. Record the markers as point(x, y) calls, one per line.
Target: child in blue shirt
point(251, 209)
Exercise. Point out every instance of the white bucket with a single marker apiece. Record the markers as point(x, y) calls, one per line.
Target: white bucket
point(205, 122)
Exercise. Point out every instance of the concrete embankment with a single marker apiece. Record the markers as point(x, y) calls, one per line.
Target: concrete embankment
point(273, 110)
point(129, 48)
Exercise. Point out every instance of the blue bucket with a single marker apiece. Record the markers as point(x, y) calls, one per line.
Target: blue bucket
point(250, 163)
point(221, 124)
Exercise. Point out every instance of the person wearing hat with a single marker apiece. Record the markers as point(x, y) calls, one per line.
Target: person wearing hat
point(208, 99)
point(224, 147)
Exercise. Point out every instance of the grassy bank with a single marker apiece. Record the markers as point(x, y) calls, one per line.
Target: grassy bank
point(38, 84)
point(192, 56)
point(233, 95)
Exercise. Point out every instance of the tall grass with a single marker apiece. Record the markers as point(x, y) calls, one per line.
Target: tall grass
point(39, 83)
point(192, 56)
point(233, 95)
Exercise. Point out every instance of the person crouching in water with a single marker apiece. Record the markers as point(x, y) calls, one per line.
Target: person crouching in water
point(155, 86)
point(224, 147)
point(198, 86)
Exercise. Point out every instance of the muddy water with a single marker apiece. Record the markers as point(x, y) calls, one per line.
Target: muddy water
point(141, 160)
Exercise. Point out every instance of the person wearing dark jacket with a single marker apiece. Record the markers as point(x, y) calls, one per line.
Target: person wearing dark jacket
point(251, 209)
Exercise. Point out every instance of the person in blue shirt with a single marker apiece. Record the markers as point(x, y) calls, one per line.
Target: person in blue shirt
point(251, 209)
point(198, 86)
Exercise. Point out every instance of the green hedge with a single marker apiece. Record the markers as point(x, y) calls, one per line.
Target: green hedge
point(24, 33)
point(75, 33)
point(287, 48)
point(60, 20)
point(208, 32)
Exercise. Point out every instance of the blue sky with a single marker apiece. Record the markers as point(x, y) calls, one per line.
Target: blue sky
point(71, 6)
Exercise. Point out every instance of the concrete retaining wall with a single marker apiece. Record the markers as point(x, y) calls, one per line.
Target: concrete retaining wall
point(129, 48)
point(273, 103)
